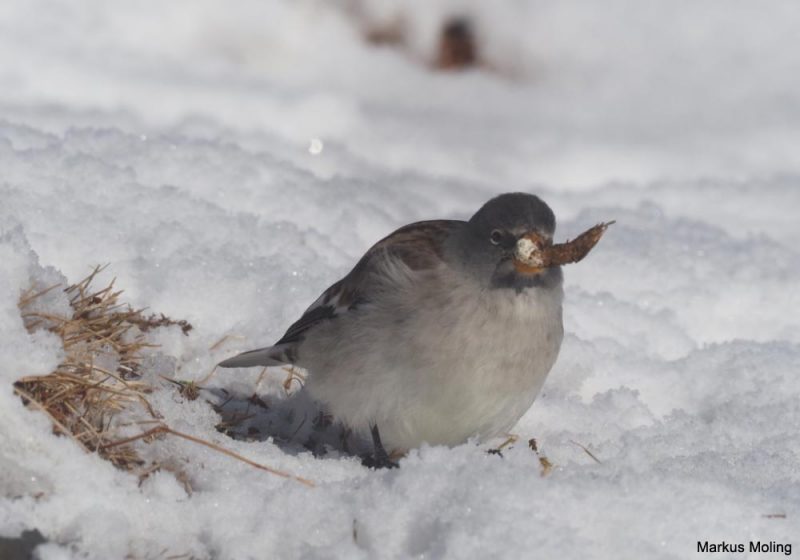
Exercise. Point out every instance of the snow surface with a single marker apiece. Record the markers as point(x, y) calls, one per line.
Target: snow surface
point(230, 161)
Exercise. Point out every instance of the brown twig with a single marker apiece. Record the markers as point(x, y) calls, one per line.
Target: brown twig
point(586, 450)
point(223, 340)
point(28, 297)
point(164, 429)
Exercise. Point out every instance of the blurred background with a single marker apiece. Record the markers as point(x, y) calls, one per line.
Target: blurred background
point(570, 94)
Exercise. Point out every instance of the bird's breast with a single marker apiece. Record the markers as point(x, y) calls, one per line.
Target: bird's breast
point(497, 339)
point(475, 360)
point(441, 362)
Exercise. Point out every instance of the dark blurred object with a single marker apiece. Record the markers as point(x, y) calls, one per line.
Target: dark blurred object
point(21, 547)
point(457, 45)
point(392, 34)
point(456, 48)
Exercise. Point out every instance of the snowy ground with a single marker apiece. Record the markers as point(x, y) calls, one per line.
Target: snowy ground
point(172, 141)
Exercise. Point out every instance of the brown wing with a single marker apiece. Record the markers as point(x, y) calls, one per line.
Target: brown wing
point(419, 246)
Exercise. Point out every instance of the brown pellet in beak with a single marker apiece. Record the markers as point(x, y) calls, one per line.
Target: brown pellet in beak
point(533, 254)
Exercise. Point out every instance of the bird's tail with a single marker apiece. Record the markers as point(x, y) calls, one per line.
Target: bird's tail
point(277, 355)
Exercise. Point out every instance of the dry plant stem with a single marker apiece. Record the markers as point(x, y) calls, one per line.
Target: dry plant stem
point(189, 389)
point(225, 339)
point(210, 374)
point(260, 379)
point(167, 430)
point(63, 429)
point(586, 450)
point(241, 458)
point(28, 297)
point(292, 375)
point(512, 438)
point(151, 432)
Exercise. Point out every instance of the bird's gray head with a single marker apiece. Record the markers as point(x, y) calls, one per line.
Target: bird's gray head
point(484, 248)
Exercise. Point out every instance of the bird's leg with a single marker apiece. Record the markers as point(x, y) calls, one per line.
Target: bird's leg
point(512, 438)
point(379, 458)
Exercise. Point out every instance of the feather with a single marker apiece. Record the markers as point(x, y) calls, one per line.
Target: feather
point(417, 246)
point(276, 355)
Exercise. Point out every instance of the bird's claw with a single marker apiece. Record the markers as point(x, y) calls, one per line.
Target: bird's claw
point(378, 462)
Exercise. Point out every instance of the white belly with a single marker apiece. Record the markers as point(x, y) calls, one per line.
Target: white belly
point(456, 365)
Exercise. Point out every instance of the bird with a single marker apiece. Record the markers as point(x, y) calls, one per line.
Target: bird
point(438, 335)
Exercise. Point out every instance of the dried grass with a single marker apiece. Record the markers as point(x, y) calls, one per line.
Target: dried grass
point(80, 396)
point(84, 399)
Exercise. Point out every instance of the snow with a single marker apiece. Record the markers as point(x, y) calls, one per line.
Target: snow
point(230, 162)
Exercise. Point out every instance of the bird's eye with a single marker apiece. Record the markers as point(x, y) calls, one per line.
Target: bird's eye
point(496, 237)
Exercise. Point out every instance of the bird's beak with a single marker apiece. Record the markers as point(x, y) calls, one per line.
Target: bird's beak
point(528, 257)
